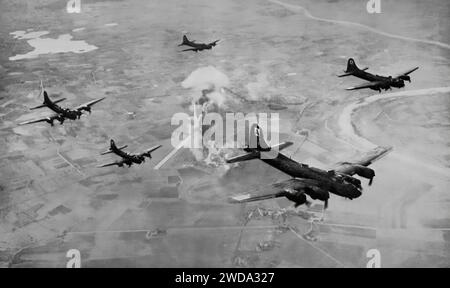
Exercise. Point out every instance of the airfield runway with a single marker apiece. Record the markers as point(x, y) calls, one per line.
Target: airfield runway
point(274, 56)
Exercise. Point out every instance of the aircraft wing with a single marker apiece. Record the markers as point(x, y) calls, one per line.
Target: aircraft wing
point(350, 168)
point(280, 189)
point(294, 189)
point(407, 72)
point(148, 151)
point(118, 163)
point(89, 104)
point(43, 119)
point(190, 49)
point(366, 85)
point(153, 148)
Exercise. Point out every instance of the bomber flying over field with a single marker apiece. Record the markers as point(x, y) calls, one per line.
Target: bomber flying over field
point(196, 46)
point(377, 82)
point(306, 180)
point(128, 159)
point(61, 114)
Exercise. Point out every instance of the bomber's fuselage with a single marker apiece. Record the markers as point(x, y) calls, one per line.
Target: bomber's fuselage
point(388, 81)
point(328, 180)
point(137, 159)
point(67, 113)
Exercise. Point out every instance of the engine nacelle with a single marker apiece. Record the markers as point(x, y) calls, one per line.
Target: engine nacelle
point(61, 119)
point(364, 172)
point(317, 193)
point(405, 77)
point(351, 180)
point(298, 197)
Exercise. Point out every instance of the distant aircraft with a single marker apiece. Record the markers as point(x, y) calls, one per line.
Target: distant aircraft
point(197, 46)
point(314, 182)
point(377, 82)
point(61, 114)
point(128, 159)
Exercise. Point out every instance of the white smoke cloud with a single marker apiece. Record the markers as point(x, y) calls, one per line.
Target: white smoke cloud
point(207, 78)
point(206, 85)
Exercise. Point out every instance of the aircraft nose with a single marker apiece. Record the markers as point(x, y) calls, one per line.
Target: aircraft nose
point(356, 192)
point(353, 191)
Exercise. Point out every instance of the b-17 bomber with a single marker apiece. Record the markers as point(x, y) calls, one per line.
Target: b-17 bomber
point(307, 181)
point(197, 46)
point(172, 168)
point(61, 114)
point(127, 158)
point(377, 82)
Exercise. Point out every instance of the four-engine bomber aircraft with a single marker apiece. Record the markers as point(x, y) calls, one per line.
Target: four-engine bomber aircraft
point(128, 159)
point(314, 182)
point(197, 46)
point(61, 114)
point(377, 82)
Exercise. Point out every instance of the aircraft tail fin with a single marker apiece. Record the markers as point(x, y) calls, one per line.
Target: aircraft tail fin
point(256, 145)
point(46, 98)
point(185, 41)
point(255, 154)
point(351, 66)
point(113, 148)
point(256, 139)
point(47, 102)
point(112, 145)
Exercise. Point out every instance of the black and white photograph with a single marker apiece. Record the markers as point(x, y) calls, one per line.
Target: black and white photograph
point(224, 134)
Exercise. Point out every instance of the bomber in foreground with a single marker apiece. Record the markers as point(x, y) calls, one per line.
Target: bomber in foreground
point(308, 181)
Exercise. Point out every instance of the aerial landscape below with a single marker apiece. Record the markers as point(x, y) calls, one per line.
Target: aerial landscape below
point(355, 157)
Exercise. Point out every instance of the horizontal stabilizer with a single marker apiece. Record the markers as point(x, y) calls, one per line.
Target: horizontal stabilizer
point(282, 145)
point(345, 75)
point(44, 105)
point(256, 154)
point(244, 157)
point(351, 72)
point(110, 151)
point(37, 107)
